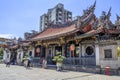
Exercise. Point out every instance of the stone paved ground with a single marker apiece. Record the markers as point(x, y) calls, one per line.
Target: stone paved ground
point(20, 73)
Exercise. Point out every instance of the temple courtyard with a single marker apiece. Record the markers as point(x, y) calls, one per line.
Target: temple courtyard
point(15, 72)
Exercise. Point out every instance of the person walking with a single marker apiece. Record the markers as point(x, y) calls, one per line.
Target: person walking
point(28, 62)
point(8, 63)
point(44, 63)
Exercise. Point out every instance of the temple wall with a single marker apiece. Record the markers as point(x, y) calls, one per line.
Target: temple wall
point(111, 62)
point(33, 52)
point(83, 50)
point(20, 54)
point(84, 46)
point(6, 55)
point(113, 48)
point(118, 42)
point(97, 54)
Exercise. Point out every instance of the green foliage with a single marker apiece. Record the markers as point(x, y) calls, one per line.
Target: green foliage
point(0, 60)
point(30, 48)
point(118, 52)
point(24, 58)
point(78, 51)
point(1, 53)
point(58, 53)
point(58, 58)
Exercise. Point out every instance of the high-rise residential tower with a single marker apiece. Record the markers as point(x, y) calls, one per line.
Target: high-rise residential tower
point(56, 15)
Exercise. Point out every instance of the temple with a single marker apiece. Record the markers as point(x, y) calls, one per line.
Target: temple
point(87, 41)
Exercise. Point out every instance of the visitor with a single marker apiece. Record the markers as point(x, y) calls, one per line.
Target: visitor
point(28, 62)
point(44, 63)
point(8, 63)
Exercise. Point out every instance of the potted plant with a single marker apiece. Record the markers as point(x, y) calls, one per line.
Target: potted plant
point(24, 59)
point(59, 60)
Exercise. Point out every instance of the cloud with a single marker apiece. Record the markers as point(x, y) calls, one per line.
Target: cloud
point(9, 36)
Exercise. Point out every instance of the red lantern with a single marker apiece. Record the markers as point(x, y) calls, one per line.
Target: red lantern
point(38, 50)
point(72, 47)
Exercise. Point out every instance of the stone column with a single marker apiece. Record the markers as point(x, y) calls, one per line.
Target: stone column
point(22, 53)
point(83, 50)
point(80, 47)
point(9, 55)
point(4, 55)
point(19, 53)
point(46, 51)
point(118, 45)
point(54, 51)
point(33, 52)
point(97, 54)
point(63, 50)
point(41, 51)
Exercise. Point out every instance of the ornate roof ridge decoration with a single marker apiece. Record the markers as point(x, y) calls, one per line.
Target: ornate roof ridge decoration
point(67, 24)
point(87, 16)
point(105, 21)
point(88, 24)
point(28, 35)
point(117, 22)
point(118, 17)
point(90, 33)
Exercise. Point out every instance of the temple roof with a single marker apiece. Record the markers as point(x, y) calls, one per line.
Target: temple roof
point(91, 33)
point(55, 32)
point(88, 24)
point(116, 31)
point(82, 24)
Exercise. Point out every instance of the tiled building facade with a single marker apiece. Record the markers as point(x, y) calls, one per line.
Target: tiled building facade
point(56, 15)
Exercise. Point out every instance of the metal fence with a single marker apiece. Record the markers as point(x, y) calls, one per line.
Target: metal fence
point(84, 61)
point(36, 61)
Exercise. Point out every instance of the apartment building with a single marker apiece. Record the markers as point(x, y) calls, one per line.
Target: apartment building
point(56, 15)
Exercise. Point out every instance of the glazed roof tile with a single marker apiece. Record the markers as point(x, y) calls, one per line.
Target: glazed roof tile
point(53, 32)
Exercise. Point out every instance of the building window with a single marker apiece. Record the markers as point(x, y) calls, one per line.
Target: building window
point(108, 53)
point(30, 53)
point(89, 50)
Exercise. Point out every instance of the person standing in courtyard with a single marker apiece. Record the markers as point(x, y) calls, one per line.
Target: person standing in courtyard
point(44, 63)
point(28, 62)
point(8, 63)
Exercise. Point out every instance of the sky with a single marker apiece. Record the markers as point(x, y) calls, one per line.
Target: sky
point(20, 16)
